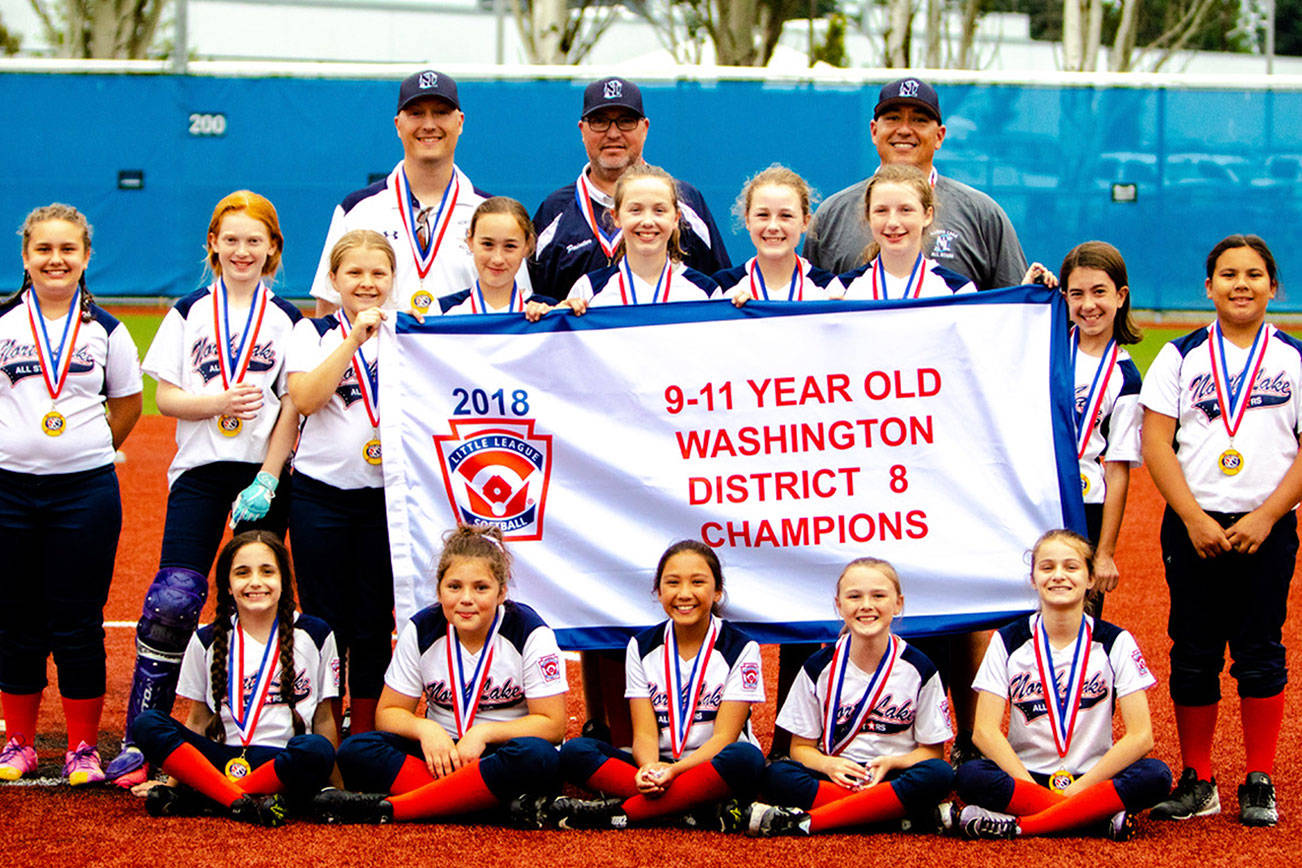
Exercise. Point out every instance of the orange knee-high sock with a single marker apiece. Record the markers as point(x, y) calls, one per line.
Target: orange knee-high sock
point(1196, 726)
point(1031, 798)
point(413, 775)
point(262, 781)
point(361, 715)
point(461, 792)
point(693, 787)
point(872, 805)
point(828, 793)
point(82, 717)
point(20, 715)
point(615, 777)
point(1097, 803)
point(1261, 722)
point(192, 768)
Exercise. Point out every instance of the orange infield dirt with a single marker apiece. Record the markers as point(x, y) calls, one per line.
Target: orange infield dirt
point(54, 825)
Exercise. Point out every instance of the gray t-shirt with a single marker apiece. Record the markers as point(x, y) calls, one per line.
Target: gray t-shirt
point(972, 235)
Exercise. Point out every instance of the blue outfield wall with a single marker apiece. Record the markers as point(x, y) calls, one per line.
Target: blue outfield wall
point(1204, 162)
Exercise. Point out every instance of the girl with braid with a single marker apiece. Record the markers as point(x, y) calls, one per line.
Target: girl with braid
point(253, 677)
point(69, 396)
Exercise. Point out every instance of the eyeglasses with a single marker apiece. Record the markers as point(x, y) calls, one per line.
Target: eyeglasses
point(626, 123)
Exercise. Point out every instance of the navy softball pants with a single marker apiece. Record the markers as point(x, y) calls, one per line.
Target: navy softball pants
point(59, 534)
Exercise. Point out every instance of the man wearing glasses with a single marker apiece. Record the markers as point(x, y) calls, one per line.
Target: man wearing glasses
point(423, 207)
point(575, 233)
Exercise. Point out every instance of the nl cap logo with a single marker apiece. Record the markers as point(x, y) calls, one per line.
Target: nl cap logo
point(909, 87)
point(428, 79)
point(613, 90)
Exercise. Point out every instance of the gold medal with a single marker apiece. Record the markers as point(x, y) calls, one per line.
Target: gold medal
point(421, 300)
point(1084, 485)
point(371, 452)
point(1231, 462)
point(53, 423)
point(229, 426)
point(1060, 780)
point(238, 768)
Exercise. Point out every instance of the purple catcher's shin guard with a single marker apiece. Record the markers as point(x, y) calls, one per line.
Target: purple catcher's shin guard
point(168, 618)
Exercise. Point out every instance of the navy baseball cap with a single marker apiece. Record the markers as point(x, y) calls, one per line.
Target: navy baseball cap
point(612, 91)
point(425, 84)
point(908, 91)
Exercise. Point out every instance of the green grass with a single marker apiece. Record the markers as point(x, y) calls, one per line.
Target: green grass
point(142, 327)
point(1145, 351)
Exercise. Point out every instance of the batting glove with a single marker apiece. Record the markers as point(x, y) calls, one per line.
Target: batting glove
point(254, 502)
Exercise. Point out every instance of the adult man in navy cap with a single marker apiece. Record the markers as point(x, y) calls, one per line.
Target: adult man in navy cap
point(972, 235)
point(423, 207)
point(575, 233)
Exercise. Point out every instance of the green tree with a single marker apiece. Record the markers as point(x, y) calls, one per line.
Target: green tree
point(9, 42)
point(1288, 27)
point(100, 28)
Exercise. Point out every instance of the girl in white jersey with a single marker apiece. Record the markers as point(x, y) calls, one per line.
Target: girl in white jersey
point(1222, 415)
point(219, 358)
point(501, 237)
point(254, 677)
point(493, 682)
point(775, 207)
point(899, 205)
point(690, 683)
point(1060, 675)
point(1093, 278)
point(868, 718)
point(337, 517)
point(648, 266)
point(69, 396)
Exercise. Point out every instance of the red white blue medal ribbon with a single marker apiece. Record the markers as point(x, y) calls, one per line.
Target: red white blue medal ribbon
point(478, 304)
point(628, 289)
point(1062, 711)
point(608, 242)
point(1234, 400)
point(1088, 416)
point(234, 364)
point(465, 694)
point(760, 290)
point(912, 287)
point(54, 361)
point(684, 698)
point(837, 738)
point(245, 712)
point(368, 379)
point(408, 206)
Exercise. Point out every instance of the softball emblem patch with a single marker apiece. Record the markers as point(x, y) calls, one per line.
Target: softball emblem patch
point(496, 472)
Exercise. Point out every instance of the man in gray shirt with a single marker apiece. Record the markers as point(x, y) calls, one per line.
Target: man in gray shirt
point(972, 235)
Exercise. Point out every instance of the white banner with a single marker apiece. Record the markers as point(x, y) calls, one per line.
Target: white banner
point(791, 437)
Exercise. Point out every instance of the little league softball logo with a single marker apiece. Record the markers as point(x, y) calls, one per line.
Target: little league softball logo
point(496, 473)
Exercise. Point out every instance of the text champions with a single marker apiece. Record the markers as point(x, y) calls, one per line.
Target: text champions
point(857, 488)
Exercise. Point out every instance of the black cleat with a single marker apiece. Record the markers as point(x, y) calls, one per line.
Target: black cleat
point(268, 811)
point(527, 811)
point(1257, 801)
point(342, 807)
point(181, 801)
point(1192, 798)
point(567, 813)
point(773, 821)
